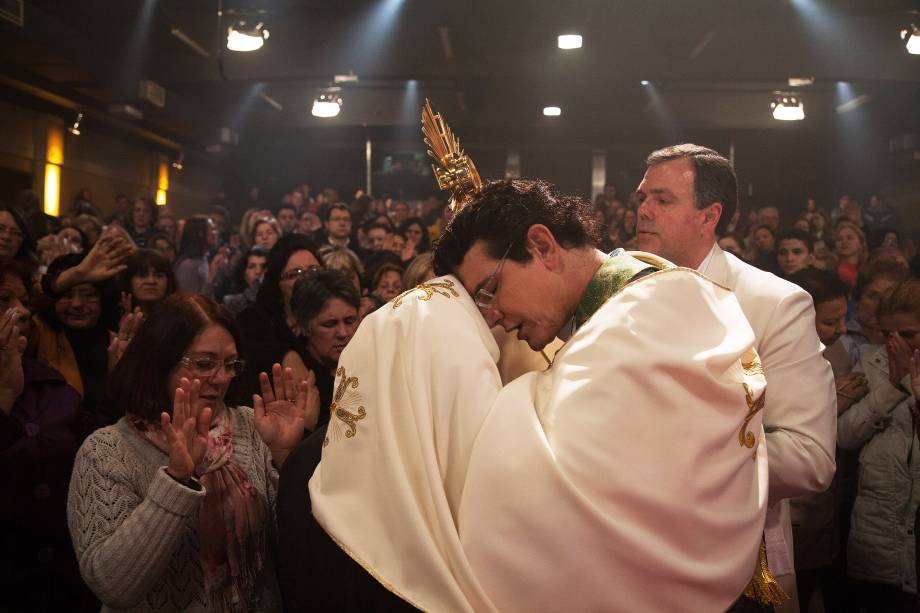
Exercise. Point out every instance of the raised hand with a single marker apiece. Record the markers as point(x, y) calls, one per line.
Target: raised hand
point(851, 388)
point(12, 344)
point(127, 327)
point(281, 411)
point(186, 431)
point(106, 259)
point(899, 355)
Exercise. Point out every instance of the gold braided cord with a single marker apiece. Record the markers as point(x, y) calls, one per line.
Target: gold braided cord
point(453, 169)
point(763, 588)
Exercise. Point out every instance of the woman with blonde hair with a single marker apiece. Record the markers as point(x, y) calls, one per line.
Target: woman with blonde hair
point(852, 250)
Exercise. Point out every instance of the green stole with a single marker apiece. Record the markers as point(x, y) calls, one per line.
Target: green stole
point(613, 275)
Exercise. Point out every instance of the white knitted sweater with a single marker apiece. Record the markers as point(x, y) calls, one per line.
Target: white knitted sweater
point(134, 527)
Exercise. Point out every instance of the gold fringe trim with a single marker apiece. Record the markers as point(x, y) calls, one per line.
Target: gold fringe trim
point(763, 588)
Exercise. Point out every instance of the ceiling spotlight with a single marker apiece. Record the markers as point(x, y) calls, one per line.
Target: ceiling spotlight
point(911, 36)
point(178, 163)
point(788, 107)
point(75, 128)
point(645, 82)
point(552, 111)
point(327, 105)
point(244, 37)
point(801, 81)
point(569, 41)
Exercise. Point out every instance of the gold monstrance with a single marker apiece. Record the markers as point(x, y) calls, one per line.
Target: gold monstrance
point(453, 169)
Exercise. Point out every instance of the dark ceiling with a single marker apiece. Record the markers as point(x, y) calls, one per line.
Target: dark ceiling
point(488, 65)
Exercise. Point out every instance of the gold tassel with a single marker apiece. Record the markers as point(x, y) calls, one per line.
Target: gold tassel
point(763, 588)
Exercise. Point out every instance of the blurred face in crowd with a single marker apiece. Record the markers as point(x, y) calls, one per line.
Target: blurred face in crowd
point(149, 286)
point(414, 233)
point(802, 224)
point(265, 235)
point(793, 256)
point(141, 216)
point(80, 307)
point(167, 225)
point(830, 320)
point(308, 223)
point(255, 268)
point(208, 353)
point(376, 238)
point(906, 325)
point(610, 192)
point(400, 212)
point(338, 226)
point(89, 229)
point(163, 247)
point(890, 240)
point(844, 202)
point(13, 295)
point(287, 219)
point(629, 221)
point(296, 199)
point(11, 237)
point(329, 332)
point(122, 205)
point(764, 240)
point(388, 286)
point(72, 239)
point(810, 205)
point(670, 225)
point(730, 244)
point(300, 263)
point(219, 221)
point(875, 202)
point(846, 242)
point(817, 222)
point(769, 215)
point(397, 244)
point(867, 307)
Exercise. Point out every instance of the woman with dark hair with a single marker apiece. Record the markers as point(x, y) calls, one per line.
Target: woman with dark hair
point(416, 233)
point(247, 276)
point(763, 243)
point(41, 426)
point(386, 281)
point(268, 329)
point(326, 306)
point(199, 236)
point(83, 204)
point(172, 507)
point(148, 279)
point(16, 241)
point(71, 334)
point(143, 219)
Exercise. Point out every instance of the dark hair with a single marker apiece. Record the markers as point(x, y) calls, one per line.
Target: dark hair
point(313, 292)
point(194, 241)
point(425, 244)
point(220, 210)
point(17, 269)
point(904, 298)
point(140, 262)
point(797, 235)
point(502, 212)
point(286, 205)
point(378, 225)
point(138, 383)
point(766, 227)
point(714, 178)
point(269, 296)
point(338, 206)
point(822, 285)
point(239, 272)
point(26, 252)
point(882, 268)
point(160, 236)
point(877, 237)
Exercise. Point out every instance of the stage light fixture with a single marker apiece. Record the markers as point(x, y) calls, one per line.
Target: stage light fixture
point(75, 128)
point(911, 38)
point(178, 163)
point(327, 105)
point(569, 41)
point(552, 111)
point(244, 37)
point(645, 82)
point(788, 107)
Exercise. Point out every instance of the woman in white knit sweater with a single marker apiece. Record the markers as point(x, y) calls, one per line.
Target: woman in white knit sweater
point(174, 510)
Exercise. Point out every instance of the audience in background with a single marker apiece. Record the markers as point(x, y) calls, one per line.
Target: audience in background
point(143, 217)
point(147, 280)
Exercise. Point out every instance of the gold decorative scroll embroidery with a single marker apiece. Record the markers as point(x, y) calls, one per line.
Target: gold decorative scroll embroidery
point(345, 398)
point(752, 366)
point(442, 288)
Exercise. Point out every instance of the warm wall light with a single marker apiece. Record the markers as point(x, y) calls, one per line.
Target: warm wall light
point(552, 111)
point(162, 183)
point(54, 157)
point(569, 41)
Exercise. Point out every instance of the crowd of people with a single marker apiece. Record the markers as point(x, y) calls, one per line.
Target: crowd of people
point(132, 345)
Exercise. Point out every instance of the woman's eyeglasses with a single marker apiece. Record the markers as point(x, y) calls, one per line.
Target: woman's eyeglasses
point(296, 273)
point(204, 367)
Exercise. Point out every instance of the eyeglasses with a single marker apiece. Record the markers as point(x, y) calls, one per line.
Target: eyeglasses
point(205, 367)
point(296, 273)
point(484, 298)
point(13, 231)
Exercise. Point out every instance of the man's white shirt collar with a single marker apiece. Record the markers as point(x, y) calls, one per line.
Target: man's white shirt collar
point(704, 265)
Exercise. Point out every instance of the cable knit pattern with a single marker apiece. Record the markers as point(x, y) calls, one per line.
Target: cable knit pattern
point(134, 528)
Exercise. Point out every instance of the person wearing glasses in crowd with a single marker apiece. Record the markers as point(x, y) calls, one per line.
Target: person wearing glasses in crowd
point(172, 507)
point(459, 495)
point(269, 330)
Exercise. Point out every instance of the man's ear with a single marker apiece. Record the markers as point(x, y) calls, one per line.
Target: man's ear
point(543, 246)
point(712, 214)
